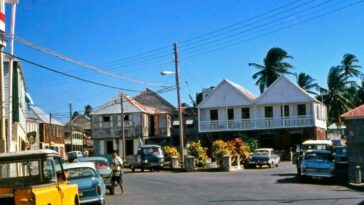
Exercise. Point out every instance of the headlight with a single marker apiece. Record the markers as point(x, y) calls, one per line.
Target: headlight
point(146, 161)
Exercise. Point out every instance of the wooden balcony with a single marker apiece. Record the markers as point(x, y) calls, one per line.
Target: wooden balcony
point(256, 124)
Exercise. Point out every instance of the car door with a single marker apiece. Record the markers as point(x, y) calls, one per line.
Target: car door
point(68, 192)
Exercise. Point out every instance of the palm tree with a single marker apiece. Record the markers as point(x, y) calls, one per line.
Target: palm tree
point(273, 67)
point(335, 97)
point(88, 110)
point(349, 67)
point(307, 83)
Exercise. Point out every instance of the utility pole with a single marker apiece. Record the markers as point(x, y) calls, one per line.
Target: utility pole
point(71, 126)
point(10, 102)
point(50, 131)
point(122, 125)
point(3, 143)
point(179, 104)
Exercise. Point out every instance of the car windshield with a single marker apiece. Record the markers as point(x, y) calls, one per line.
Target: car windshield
point(318, 156)
point(156, 151)
point(315, 146)
point(19, 169)
point(261, 152)
point(81, 172)
point(101, 164)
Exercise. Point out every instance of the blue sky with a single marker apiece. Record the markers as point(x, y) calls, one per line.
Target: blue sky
point(109, 33)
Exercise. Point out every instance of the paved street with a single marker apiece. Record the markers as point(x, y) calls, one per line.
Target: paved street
point(261, 186)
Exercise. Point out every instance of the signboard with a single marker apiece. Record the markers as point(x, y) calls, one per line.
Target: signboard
point(2, 15)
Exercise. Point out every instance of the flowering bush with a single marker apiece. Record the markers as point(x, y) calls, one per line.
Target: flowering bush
point(170, 151)
point(199, 152)
point(219, 149)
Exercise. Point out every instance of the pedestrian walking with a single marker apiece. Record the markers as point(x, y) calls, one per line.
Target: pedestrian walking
point(117, 172)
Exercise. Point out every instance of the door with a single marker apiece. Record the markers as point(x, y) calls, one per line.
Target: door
point(68, 192)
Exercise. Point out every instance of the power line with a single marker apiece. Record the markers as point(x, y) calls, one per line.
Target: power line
point(76, 62)
point(66, 74)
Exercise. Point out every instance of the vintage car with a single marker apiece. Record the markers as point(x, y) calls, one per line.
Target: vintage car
point(102, 166)
point(74, 155)
point(31, 178)
point(310, 145)
point(317, 164)
point(148, 157)
point(263, 156)
point(91, 187)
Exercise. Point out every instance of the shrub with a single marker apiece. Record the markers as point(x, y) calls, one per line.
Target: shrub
point(170, 151)
point(219, 149)
point(251, 142)
point(199, 152)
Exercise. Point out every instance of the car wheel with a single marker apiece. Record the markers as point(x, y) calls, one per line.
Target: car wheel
point(270, 165)
point(277, 165)
point(101, 202)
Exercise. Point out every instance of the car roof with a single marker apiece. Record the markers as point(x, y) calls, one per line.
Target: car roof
point(264, 149)
point(79, 165)
point(313, 142)
point(91, 158)
point(29, 153)
point(149, 146)
point(318, 151)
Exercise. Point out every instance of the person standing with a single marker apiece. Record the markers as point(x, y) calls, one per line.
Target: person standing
point(117, 172)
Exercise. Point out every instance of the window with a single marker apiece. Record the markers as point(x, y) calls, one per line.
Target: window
point(106, 119)
point(245, 113)
point(285, 111)
point(268, 111)
point(109, 147)
point(126, 117)
point(301, 109)
point(214, 115)
point(230, 114)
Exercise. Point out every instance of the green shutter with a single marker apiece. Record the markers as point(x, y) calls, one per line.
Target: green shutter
point(15, 92)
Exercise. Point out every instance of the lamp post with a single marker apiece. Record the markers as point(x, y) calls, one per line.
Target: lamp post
point(178, 101)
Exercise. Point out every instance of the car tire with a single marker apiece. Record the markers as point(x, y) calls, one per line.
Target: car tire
point(270, 165)
point(277, 165)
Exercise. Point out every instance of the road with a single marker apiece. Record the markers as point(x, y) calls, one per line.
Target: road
point(253, 186)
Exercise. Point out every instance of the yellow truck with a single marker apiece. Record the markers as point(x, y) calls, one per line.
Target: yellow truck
point(35, 178)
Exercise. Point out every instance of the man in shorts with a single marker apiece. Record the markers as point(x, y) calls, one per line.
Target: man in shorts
point(117, 172)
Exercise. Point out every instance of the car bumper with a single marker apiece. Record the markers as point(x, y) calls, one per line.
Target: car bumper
point(258, 162)
point(318, 174)
point(88, 200)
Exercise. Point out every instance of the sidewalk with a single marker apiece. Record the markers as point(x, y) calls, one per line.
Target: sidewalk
point(358, 187)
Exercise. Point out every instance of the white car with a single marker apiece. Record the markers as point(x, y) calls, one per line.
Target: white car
point(263, 156)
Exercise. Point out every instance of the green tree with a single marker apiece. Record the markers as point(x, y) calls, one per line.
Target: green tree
point(349, 65)
point(88, 110)
point(273, 67)
point(307, 83)
point(75, 114)
point(336, 95)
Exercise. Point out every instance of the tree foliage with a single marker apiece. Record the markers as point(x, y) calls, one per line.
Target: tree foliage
point(199, 152)
point(273, 67)
point(219, 149)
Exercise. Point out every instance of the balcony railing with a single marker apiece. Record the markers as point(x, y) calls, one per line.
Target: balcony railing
point(252, 124)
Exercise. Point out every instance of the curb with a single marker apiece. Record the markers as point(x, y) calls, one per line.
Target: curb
point(358, 187)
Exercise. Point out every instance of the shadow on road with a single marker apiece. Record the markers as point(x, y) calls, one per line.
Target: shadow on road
point(288, 201)
point(292, 178)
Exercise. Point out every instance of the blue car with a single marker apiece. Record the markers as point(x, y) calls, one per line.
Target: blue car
point(91, 185)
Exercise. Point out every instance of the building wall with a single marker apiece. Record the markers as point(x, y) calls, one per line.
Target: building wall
point(355, 143)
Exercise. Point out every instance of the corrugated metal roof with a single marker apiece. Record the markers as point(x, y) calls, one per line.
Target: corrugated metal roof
point(354, 113)
point(42, 116)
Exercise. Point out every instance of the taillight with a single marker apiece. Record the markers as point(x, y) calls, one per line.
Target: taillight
point(101, 166)
point(98, 190)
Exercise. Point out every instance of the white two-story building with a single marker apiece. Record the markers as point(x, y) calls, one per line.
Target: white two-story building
point(282, 116)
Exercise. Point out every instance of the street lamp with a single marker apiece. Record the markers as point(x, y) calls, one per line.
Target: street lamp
point(179, 111)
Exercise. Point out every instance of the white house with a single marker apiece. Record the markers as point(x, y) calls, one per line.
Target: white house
point(282, 116)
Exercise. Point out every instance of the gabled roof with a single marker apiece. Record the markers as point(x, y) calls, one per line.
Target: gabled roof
point(129, 106)
point(153, 99)
point(356, 113)
point(280, 91)
point(39, 115)
point(243, 96)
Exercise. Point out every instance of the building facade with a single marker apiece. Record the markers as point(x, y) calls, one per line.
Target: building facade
point(354, 121)
point(141, 123)
point(281, 117)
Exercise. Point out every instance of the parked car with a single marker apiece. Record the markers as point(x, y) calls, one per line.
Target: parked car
point(310, 145)
point(31, 177)
point(74, 155)
point(263, 156)
point(148, 157)
point(317, 164)
point(103, 167)
point(91, 185)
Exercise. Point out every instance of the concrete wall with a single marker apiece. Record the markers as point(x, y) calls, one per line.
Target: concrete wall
point(355, 143)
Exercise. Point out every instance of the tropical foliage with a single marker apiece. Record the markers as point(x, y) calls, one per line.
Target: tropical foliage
point(219, 149)
point(349, 65)
point(307, 83)
point(199, 152)
point(170, 151)
point(273, 67)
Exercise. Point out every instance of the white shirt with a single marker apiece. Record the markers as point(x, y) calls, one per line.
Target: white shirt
point(117, 163)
